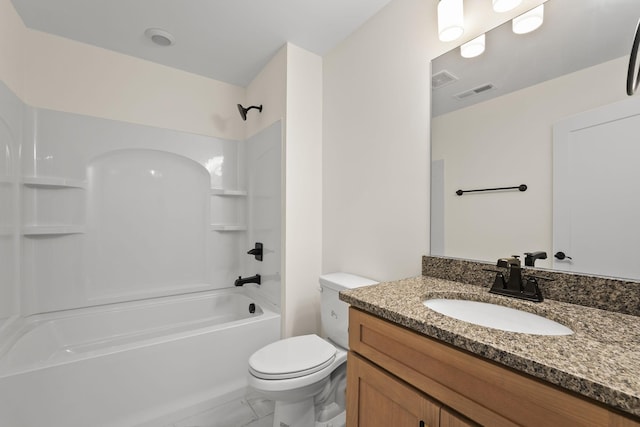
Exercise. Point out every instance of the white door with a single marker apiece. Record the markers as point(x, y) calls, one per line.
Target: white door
point(596, 184)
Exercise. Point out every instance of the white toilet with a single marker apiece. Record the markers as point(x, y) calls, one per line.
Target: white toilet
point(306, 375)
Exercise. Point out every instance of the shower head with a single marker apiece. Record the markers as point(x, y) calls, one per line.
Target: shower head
point(243, 111)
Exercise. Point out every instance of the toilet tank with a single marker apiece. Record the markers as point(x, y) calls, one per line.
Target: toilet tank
point(335, 313)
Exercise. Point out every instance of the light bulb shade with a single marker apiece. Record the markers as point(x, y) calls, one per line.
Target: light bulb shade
point(450, 20)
point(505, 5)
point(529, 21)
point(473, 48)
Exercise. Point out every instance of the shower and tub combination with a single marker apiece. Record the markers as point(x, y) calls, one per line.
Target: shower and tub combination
point(122, 246)
point(130, 363)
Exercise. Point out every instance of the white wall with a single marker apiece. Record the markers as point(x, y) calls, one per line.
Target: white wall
point(303, 192)
point(66, 75)
point(376, 146)
point(12, 40)
point(52, 72)
point(290, 87)
point(269, 89)
point(493, 146)
point(376, 137)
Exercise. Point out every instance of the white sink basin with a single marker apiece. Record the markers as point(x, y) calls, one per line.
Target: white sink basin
point(497, 317)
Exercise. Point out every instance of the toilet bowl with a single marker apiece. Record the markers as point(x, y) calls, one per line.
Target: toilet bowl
point(306, 375)
point(292, 372)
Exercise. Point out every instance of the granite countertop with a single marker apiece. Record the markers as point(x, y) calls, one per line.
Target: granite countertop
point(601, 360)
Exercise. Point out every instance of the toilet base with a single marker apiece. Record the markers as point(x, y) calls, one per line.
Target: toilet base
point(302, 414)
point(337, 417)
point(294, 414)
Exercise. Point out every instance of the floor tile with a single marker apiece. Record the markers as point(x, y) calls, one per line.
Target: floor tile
point(237, 413)
point(262, 422)
point(261, 406)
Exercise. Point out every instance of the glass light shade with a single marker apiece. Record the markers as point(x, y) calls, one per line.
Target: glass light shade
point(505, 5)
point(529, 21)
point(450, 20)
point(473, 48)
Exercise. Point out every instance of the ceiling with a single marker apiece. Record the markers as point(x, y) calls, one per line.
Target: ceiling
point(575, 34)
point(227, 40)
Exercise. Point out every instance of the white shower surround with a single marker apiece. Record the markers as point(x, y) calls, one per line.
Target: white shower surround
point(109, 327)
point(97, 191)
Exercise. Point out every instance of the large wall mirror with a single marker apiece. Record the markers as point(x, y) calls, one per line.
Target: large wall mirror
point(547, 109)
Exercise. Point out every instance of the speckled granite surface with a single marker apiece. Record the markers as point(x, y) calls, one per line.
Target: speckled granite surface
point(601, 360)
point(605, 293)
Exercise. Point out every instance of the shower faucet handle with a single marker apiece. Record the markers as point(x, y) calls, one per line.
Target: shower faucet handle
point(257, 251)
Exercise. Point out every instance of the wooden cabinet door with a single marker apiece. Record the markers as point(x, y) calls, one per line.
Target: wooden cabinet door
point(377, 399)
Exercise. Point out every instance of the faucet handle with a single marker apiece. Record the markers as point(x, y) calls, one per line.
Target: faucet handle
point(513, 261)
point(498, 282)
point(531, 288)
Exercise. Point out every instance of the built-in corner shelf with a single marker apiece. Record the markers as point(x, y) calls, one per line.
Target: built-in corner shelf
point(228, 227)
point(51, 230)
point(52, 182)
point(223, 192)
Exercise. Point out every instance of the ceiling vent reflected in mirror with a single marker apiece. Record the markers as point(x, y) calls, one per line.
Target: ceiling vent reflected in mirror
point(475, 91)
point(442, 78)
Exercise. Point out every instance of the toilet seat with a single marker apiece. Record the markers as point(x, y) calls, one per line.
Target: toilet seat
point(292, 358)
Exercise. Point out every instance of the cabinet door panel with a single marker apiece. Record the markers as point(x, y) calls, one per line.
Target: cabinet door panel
point(377, 410)
point(377, 399)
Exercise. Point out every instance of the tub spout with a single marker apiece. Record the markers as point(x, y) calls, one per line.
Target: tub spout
point(253, 279)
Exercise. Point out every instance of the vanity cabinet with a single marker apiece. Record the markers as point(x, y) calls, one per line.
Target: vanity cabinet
point(378, 399)
point(397, 377)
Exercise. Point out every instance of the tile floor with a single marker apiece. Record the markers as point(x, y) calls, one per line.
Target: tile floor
point(247, 411)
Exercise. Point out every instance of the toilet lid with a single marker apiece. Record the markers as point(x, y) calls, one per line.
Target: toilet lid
point(292, 358)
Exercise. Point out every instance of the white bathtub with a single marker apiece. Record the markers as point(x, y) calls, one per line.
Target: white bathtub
point(126, 364)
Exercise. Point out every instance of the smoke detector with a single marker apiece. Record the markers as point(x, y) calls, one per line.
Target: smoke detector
point(159, 36)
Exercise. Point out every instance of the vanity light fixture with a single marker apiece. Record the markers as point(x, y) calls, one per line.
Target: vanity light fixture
point(529, 21)
point(505, 5)
point(473, 48)
point(450, 20)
